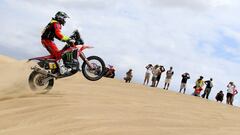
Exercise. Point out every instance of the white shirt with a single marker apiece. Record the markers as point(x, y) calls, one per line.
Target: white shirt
point(149, 70)
point(230, 88)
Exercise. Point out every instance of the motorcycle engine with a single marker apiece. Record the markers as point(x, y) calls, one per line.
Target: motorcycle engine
point(70, 60)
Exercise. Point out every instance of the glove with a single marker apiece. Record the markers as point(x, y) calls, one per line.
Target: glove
point(71, 42)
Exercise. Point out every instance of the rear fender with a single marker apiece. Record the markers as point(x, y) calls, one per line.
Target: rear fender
point(43, 58)
point(41, 63)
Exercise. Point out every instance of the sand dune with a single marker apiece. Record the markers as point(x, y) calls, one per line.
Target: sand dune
point(14, 75)
point(6, 59)
point(76, 106)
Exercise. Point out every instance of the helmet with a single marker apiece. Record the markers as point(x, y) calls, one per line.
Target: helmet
point(60, 17)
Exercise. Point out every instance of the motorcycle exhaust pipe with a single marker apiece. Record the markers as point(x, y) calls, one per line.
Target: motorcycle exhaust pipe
point(44, 72)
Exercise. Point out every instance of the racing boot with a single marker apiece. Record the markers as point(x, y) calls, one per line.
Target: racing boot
point(63, 70)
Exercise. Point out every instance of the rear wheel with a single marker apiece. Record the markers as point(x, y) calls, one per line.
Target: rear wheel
point(37, 84)
point(98, 68)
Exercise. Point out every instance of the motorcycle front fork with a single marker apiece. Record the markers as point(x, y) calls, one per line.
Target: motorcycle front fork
point(83, 57)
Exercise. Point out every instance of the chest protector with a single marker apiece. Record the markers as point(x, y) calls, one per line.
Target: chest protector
point(49, 31)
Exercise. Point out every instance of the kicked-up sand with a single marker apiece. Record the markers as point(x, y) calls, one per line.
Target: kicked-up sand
point(76, 106)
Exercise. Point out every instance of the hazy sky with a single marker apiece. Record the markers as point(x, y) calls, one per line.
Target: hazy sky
point(197, 36)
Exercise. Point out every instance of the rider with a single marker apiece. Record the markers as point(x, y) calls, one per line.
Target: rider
point(51, 31)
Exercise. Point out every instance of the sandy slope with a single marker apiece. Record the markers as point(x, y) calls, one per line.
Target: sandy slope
point(108, 107)
point(5, 59)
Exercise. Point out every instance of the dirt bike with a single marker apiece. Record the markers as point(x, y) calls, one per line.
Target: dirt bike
point(41, 79)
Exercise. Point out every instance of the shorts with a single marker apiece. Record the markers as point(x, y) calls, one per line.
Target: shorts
point(183, 86)
point(147, 76)
point(154, 78)
point(229, 95)
point(167, 80)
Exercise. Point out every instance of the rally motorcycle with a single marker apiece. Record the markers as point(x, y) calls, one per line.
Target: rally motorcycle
point(41, 79)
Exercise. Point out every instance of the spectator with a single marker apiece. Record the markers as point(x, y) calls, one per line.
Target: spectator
point(230, 93)
point(198, 87)
point(109, 71)
point(169, 75)
point(183, 86)
point(149, 68)
point(129, 76)
point(235, 92)
point(161, 70)
point(219, 96)
point(155, 72)
point(208, 88)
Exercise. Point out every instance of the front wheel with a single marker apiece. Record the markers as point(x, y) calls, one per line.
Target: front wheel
point(37, 85)
point(95, 73)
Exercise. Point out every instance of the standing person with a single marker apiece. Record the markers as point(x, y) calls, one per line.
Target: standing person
point(169, 75)
point(149, 68)
point(155, 72)
point(198, 87)
point(208, 88)
point(183, 86)
point(235, 92)
point(219, 96)
point(161, 70)
point(129, 76)
point(230, 93)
